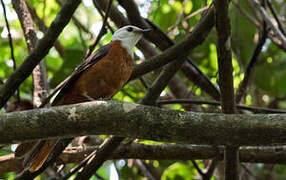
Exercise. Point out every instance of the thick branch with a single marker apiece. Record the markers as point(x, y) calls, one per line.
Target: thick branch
point(138, 121)
point(41, 50)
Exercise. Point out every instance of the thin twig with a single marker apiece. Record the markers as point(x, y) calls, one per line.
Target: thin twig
point(249, 172)
point(100, 11)
point(269, 22)
point(274, 13)
point(42, 27)
point(216, 103)
point(9, 36)
point(198, 168)
point(143, 82)
point(211, 169)
point(77, 22)
point(144, 170)
point(250, 68)
point(196, 12)
point(101, 32)
point(11, 45)
point(246, 14)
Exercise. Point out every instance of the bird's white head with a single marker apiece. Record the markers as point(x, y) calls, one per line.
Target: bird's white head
point(129, 36)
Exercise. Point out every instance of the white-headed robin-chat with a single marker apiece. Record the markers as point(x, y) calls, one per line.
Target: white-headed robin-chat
point(101, 75)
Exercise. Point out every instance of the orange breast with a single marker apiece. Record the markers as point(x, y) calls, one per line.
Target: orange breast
point(104, 79)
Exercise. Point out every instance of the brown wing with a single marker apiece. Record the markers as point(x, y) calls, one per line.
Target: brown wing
point(91, 60)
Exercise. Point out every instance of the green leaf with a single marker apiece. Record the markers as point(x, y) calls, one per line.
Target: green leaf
point(72, 57)
point(178, 171)
point(271, 77)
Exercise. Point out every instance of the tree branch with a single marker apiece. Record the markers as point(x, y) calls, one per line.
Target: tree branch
point(42, 27)
point(39, 73)
point(41, 50)
point(267, 155)
point(269, 22)
point(180, 50)
point(250, 68)
point(138, 121)
point(215, 103)
point(102, 30)
point(9, 36)
point(224, 55)
point(275, 15)
point(17, 95)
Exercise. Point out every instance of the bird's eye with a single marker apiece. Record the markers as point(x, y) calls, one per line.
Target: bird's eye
point(129, 29)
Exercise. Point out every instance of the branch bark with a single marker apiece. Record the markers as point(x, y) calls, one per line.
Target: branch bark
point(231, 156)
point(39, 73)
point(138, 121)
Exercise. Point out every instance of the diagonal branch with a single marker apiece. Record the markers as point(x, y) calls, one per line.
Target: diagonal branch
point(180, 50)
point(102, 30)
point(10, 44)
point(275, 15)
point(189, 68)
point(269, 22)
point(9, 35)
point(42, 27)
point(41, 50)
point(250, 68)
point(39, 73)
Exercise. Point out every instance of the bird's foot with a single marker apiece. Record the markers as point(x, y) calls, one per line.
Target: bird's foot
point(88, 97)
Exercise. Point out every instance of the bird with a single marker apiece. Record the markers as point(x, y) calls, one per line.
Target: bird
point(100, 76)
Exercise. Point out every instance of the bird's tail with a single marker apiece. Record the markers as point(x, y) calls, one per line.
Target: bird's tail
point(25, 147)
point(38, 153)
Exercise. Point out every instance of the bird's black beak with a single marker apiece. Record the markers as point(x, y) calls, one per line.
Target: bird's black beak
point(144, 31)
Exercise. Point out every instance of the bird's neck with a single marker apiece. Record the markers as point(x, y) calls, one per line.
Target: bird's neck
point(129, 48)
point(127, 44)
